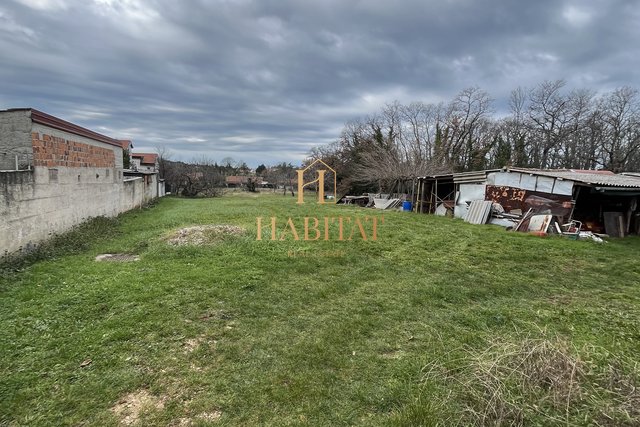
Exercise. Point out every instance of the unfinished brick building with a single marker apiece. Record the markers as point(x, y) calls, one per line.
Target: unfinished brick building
point(55, 174)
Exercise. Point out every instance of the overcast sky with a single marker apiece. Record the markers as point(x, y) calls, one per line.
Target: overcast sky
point(266, 80)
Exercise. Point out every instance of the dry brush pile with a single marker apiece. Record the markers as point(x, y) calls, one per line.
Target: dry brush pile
point(541, 380)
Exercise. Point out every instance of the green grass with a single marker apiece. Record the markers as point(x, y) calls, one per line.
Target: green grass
point(396, 331)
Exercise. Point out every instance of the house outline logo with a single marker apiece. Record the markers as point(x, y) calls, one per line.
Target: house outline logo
point(319, 180)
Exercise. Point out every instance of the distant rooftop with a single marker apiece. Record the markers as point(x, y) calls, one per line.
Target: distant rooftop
point(146, 158)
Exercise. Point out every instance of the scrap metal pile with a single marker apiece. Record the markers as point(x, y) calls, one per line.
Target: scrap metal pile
point(378, 201)
point(539, 220)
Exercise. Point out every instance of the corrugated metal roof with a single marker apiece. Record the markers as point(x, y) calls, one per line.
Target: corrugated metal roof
point(439, 176)
point(586, 177)
point(472, 177)
point(479, 211)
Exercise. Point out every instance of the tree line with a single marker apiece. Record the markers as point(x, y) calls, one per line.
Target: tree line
point(547, 126)
point(208, 178)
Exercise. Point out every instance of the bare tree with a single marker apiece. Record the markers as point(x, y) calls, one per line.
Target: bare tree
point(201, 177)
point(577, 152)
point(514, 129)
point(547, 128)
point(621, 128)
point(164, 155)
point(466, 123)
point(548, 111)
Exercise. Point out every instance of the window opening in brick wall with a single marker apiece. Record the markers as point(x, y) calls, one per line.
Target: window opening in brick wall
point(53, 175)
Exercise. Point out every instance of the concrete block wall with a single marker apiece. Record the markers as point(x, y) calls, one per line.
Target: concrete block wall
point(15, 139)
point(132, 194)
point(74, 178)
point(150, 187)
point(54, 201)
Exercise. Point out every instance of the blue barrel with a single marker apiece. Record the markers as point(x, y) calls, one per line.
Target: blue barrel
point(406, 206)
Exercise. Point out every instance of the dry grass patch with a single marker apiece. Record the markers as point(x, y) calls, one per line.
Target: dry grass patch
point(539, 379)
point(192, 344)
point(210, 416)
point(393, 354)
point(200, 235)
point(205, 416)
point(130, 407)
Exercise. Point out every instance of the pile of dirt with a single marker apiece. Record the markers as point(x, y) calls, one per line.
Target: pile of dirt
point(200, 235)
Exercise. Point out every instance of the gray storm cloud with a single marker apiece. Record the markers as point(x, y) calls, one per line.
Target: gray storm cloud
point(264, 81)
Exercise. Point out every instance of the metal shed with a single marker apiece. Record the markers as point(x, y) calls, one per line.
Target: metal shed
point(601, 200)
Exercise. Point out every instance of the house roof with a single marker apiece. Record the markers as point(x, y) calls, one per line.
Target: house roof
point(57, 123)
point(631, 173)
point(126, 144)
point(146, 158)
point(437, 176)
point(590, 177)
point(237, 179)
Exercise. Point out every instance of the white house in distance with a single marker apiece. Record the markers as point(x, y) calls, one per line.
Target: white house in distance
point(144, 162)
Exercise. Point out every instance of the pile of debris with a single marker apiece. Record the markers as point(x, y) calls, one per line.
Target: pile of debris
point(376, 200)
point(536, 221)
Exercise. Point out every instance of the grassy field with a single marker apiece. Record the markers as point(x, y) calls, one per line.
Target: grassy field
point(436, 322)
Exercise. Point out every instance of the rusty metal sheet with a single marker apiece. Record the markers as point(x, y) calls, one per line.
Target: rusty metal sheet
point(517, 198)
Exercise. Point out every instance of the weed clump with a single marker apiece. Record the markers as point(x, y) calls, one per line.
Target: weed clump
point(539, 380)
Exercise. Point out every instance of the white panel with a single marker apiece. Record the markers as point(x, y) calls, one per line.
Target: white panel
point(468, 193)
point(527, 182)
point(508, 179)
point(491, 178)
point(545, 184)
point(563, 187)
point(460, 211)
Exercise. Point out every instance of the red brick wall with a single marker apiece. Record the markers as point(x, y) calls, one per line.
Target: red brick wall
point(53, 151)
